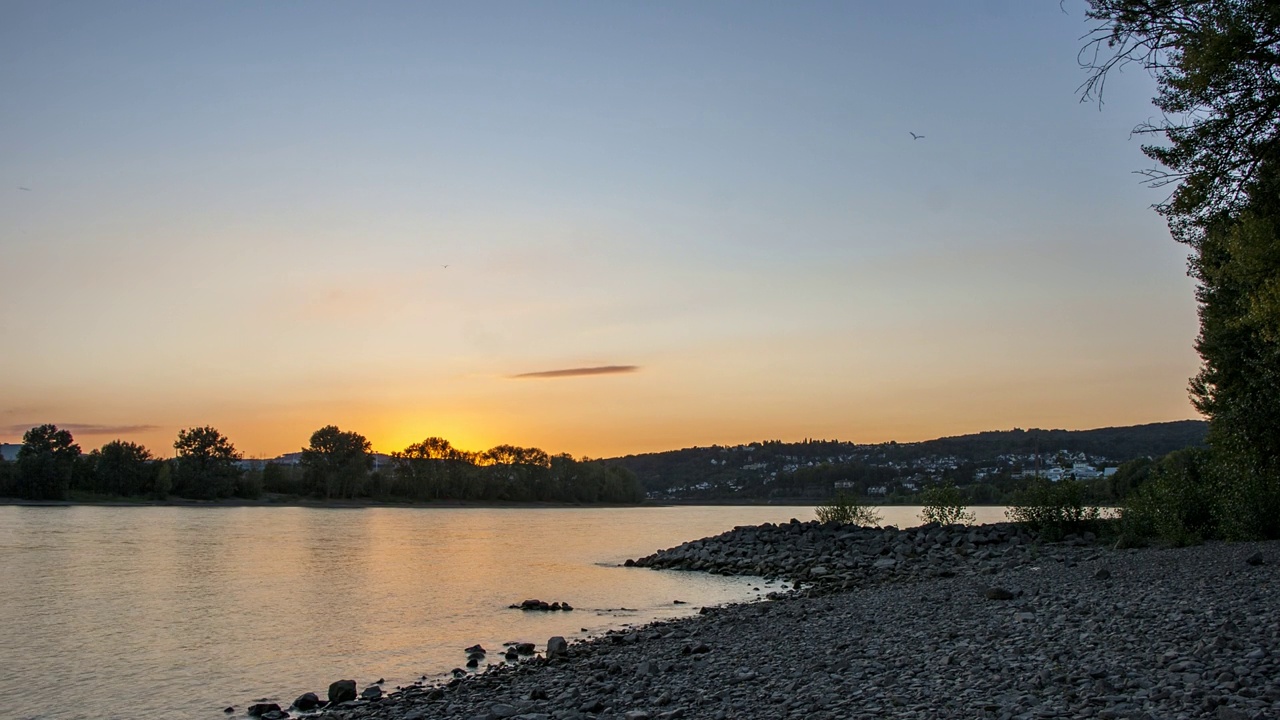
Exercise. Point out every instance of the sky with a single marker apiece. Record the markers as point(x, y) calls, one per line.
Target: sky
point(598, 228)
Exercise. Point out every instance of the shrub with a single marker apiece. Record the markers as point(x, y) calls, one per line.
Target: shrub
point(845, 509)
point(944, 505)
point(1175, 503)
point(1196, 494)
point(1054, 509)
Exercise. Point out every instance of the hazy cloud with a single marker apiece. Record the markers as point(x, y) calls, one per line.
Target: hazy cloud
point(85, 428)
point(578, 372)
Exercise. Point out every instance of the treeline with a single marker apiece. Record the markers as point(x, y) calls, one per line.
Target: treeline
point(742, 471)
point(336, 465)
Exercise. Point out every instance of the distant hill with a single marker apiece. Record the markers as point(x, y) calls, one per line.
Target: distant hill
point(766, 469)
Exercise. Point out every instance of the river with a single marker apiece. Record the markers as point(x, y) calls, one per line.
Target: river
point(178, 612)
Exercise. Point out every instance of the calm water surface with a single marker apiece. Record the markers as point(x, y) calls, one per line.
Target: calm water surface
point(120, 612)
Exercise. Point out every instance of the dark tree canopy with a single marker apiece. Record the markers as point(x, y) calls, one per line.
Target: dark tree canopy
point(122, 468)
point(1219, 90)
point(1217, 64)
point(337, 462)
point(205, 466)
point(46, 463)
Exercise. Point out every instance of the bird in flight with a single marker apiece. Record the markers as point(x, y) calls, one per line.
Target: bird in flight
point(24, 188)
point(445, 267)
point(915, 136)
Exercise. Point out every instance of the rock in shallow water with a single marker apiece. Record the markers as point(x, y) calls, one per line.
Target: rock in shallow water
point(342, 691)
point(307, 701)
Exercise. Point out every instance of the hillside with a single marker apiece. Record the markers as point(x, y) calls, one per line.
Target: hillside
point(774, 470)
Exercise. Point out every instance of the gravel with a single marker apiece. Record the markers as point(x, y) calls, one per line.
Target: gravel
point(1067, 630)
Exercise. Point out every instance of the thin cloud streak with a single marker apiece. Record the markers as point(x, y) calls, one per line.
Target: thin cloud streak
point(85, 428)
point(578, 372)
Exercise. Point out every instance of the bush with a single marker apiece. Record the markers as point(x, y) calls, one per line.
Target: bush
point(1196, 494)
point(844, 508)
point(1053, 509)
point(1175, 503)
point(944, 505)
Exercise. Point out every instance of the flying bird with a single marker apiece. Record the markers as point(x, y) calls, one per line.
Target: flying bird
point(915, 136)
point(24, 188)
point(445, 267)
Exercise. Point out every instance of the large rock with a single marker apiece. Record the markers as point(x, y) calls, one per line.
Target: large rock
point(557, 647)
point(342, 691)
point(261, 709)
point(307, 701)
point(373, 692)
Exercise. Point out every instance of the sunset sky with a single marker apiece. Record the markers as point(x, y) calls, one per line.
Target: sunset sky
point(240, 214)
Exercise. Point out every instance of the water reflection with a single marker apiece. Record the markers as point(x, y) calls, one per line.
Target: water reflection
point(128, 612)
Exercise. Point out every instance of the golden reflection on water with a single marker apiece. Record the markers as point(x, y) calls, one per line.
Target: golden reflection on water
point(148, 611)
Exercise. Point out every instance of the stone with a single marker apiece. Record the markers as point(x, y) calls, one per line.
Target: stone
point(260, 709)
point(557, 647)
point(373, 692)
point(307, 701)
point(275, 715)
point(998, 593)
point(475, 649)
point(1102, 574)
point(524, 648)
point(1255, 559)
point(503, 710)
point(342, 691)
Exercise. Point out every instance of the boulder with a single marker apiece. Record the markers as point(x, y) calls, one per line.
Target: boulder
point(475, 649)
point(373, 692)
point(1255, 559)
point(307, 701)
point(260, 709)
point(524, 648)
point(557, 647)
point(342, 691)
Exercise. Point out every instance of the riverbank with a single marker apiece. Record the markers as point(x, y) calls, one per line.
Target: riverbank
point(306, 502)
point(1067, 630)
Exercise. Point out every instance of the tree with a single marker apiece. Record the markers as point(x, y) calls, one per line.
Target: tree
point(122, 468)
point(1215, 62)
point(1217, 65)
point(337, 462)
point(46, 463)
point(206, 464)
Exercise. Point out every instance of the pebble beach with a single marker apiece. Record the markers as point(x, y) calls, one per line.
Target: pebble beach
point(930, 622)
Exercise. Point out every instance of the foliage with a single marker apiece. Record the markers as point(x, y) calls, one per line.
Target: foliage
point(1176, 502)
point(46, 463)
point(337, 462)
point(1054, 509)
point(205, 467)
point(1216, 64)
point(944, 505)
point(122, 468)
point(8, 479)
point(1238, 386)
point(845, 509)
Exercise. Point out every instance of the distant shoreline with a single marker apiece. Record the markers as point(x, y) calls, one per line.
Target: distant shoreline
point(442, 504)
point(313, 503)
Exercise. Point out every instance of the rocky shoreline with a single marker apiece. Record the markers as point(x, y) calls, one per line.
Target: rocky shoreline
point(931, 622)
